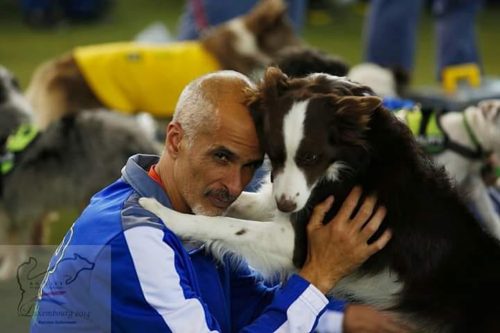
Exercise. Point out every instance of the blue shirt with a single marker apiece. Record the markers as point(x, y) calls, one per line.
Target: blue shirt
point(119, 269)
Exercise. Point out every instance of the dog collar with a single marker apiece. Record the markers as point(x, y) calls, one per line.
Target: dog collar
point(474, 154)
point(470, 132)
point(16, 144)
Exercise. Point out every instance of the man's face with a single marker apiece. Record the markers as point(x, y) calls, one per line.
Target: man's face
point(211, 172)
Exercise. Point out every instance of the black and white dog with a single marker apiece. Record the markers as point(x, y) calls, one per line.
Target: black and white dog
point(323, 135)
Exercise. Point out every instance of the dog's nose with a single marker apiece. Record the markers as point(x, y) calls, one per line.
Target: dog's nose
point(286, 205)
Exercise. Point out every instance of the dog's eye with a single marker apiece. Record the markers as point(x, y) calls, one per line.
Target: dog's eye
point(307, 159)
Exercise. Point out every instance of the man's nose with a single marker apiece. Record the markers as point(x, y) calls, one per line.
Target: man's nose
point(234, 181)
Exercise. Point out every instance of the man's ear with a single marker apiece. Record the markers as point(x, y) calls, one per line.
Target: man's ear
point(173, 139)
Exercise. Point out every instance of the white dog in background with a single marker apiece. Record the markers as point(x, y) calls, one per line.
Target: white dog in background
point(484, 135)
point(380, 79)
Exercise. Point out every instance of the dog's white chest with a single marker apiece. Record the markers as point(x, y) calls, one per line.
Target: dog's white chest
point(380, 290)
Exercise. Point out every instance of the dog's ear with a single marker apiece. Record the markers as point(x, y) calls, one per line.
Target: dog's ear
point(270, 88)
point(266, 13)
point(358, 109)
point(490, 109)
point(274, 84)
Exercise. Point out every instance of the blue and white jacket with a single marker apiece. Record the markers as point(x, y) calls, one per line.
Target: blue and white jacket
point(119, 269)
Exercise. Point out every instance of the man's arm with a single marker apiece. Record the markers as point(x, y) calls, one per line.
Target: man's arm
point(150, 286)
point(158, 295)
point(335, 250)
point(257, 307)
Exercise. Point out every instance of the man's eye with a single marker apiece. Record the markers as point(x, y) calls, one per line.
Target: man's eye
point(221, 156)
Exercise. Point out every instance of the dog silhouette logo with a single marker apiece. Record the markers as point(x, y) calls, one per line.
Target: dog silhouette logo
point(30, 279)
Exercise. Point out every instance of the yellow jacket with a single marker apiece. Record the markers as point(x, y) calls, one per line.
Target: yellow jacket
point(132, 77)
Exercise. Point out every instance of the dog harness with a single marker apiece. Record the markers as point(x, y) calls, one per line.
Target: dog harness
point(16, 143)
point(132, 77)
point(426, 127)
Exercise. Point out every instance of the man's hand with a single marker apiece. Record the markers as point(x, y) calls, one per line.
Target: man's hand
point(365, 319)
point(339, 247)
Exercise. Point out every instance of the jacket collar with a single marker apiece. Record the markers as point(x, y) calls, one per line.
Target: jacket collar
point(135, 173)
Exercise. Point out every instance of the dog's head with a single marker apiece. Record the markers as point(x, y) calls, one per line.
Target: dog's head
point(270, 25)
point(14, 109)
point(311, 128)
point(488, 123)
point(251, 41)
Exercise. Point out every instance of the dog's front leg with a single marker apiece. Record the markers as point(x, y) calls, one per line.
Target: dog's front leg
point(266, 246)
point(482, 201)
point(259, 206)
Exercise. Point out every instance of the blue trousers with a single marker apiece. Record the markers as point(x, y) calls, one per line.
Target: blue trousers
point(390, 32)
point(201, 14)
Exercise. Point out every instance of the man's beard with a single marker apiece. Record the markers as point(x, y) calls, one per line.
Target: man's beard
point(200, 210)
point(222, 195)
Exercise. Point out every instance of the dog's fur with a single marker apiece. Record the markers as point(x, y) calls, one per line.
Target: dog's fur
point(245, 44)
point(385, 82)
point(323, 135)
point(380, 79)
point(62, 168)
point(301, 61)
point(13, 103)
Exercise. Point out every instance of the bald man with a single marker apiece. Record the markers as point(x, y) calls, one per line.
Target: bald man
point(119, 269)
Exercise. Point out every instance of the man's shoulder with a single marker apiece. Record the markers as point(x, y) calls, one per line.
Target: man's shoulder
point(111, 212)
point(134, 215)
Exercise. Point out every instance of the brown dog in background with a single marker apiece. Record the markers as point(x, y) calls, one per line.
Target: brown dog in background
point(245, 44)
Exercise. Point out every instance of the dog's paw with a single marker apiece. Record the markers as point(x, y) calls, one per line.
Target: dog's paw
point(152, 205)
point(168, 216)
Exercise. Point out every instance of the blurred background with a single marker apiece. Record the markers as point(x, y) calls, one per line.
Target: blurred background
point(335, 26)
point(34, 31)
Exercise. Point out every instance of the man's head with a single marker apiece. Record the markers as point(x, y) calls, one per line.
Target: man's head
point(211, 149)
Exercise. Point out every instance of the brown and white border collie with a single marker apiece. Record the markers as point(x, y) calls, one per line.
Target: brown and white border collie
point(324, 135)
point(245, 44)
